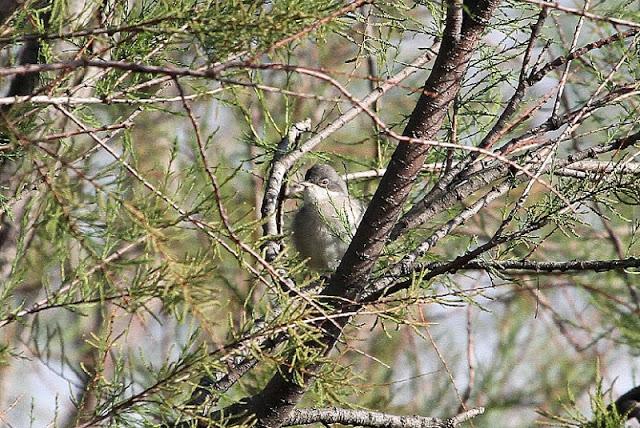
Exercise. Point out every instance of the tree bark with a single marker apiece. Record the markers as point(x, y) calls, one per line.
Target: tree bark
point(426, 120)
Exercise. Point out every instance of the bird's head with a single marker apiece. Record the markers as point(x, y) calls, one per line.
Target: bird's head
point(322, 181)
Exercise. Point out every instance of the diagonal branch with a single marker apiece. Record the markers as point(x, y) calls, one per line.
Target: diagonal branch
point(439, 91)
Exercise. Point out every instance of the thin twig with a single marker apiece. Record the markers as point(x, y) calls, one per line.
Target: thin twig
point(557, 6)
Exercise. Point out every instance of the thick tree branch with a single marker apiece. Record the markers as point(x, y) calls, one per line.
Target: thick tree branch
point(439, 91)
point(366, 418)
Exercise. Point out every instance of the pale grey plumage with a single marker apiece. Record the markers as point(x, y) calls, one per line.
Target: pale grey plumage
point(326, 221)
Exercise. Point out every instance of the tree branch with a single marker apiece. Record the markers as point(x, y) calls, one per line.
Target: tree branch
point(439, 91)
point(274, 194)
point(366, 418)
point(573, 266)
point(580, 12)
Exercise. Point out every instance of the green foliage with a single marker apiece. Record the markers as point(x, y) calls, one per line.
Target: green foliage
point(602, 415)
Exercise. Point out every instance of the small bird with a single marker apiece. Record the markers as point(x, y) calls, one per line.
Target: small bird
point(326, 221)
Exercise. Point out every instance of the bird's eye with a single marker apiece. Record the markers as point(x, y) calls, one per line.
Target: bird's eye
point(324, 182)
